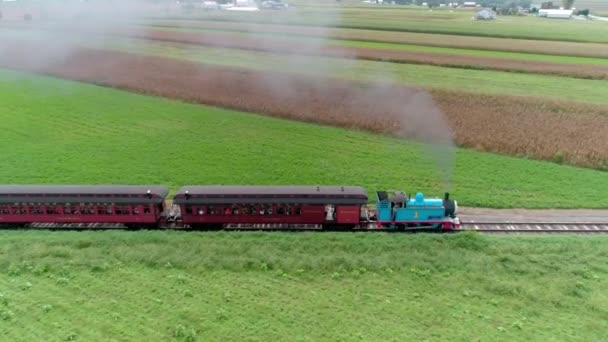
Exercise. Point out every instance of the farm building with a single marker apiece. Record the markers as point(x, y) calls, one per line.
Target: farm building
point(469, 4)
point(485, 14)
point(555, 13)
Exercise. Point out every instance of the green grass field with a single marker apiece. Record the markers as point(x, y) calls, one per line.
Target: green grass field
point(65, 132)
point(479, 81)
point(126, 286)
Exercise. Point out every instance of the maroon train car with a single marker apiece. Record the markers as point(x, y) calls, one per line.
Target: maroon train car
point(212, 206)
point(130, 205)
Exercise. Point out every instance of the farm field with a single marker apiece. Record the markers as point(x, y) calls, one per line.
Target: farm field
point(369, 106)
point(373, 107)
point(478, 81)
point(505, 114)
point(600, 6)
point(407, 19)
point(325, 38)
point(276, 286)
point(66, 132)
point(361, 35)
point(591, 68)
point(488, 110)
point(579, 67)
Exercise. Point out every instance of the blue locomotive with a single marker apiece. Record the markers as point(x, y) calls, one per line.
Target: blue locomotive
point(394, 210)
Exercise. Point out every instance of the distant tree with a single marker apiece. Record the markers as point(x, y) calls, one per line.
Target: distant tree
point(568, 3)
point(525, 3)
point(433, 3)
point(546, 5)
point(584, 12)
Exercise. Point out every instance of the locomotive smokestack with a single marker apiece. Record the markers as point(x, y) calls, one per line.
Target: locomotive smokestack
point(447, 196)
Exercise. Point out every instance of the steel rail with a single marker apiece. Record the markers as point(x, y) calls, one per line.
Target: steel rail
point(535, 227)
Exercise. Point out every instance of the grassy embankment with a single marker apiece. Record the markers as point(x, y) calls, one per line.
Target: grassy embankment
point(66, 132)
point(309, 286)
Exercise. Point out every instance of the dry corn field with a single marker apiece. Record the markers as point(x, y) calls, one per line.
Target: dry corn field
point(314, 48)
point(535, 127)
point(428, 39)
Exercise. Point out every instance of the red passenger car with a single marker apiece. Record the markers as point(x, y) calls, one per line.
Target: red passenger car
point(213, 206)
point(130, 205)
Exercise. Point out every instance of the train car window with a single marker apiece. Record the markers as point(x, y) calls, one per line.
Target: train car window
point(109, 210)
point(4, 209)
point(126, 211)
point(201, 211)
point(189, 209)
point(136, 210)
point(146, 209)
point(298, 211)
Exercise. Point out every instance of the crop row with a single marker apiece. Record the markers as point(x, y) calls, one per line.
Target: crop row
point(387, 55)
point(536, 127)
point(426, 39)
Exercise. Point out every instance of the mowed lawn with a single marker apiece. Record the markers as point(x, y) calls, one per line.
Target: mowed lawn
point(170, 286)
point(63, 132)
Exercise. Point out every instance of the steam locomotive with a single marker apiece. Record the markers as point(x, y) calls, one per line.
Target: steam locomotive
point(223, 207)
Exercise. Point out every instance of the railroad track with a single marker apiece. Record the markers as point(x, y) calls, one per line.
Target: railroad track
point(535, 227)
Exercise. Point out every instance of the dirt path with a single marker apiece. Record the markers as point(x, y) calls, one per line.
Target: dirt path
point(533, 215)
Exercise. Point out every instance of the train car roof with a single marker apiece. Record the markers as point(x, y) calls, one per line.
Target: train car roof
point(222, 194)
point(82, 193)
